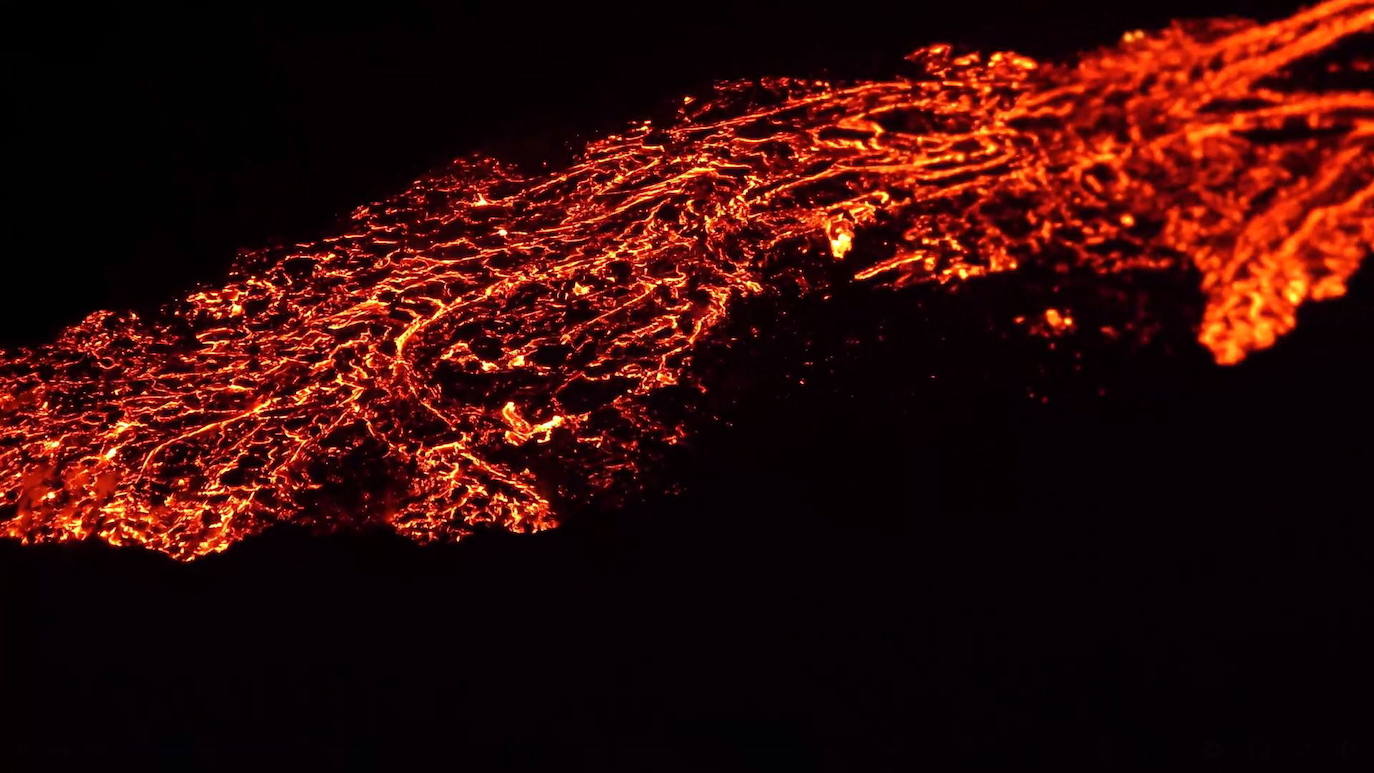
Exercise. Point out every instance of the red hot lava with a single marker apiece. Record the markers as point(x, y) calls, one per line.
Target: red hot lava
point(483, 323)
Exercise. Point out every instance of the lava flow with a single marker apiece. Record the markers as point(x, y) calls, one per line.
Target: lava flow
point(426, 366)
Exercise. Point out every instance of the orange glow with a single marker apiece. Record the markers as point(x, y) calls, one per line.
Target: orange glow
point(415, 369)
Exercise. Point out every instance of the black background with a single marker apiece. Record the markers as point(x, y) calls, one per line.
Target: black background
point(906, 561)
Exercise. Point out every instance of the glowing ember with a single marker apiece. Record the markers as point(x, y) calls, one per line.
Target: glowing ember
point(415, 369)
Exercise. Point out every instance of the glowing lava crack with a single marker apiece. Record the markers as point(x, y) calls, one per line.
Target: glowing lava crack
point(416, 368)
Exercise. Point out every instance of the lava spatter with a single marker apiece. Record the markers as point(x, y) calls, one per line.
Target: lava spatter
point(417, 368)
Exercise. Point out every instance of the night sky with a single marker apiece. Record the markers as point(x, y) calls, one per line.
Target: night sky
point(905, 560)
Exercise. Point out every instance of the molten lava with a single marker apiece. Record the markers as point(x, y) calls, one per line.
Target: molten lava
point(417, 369)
